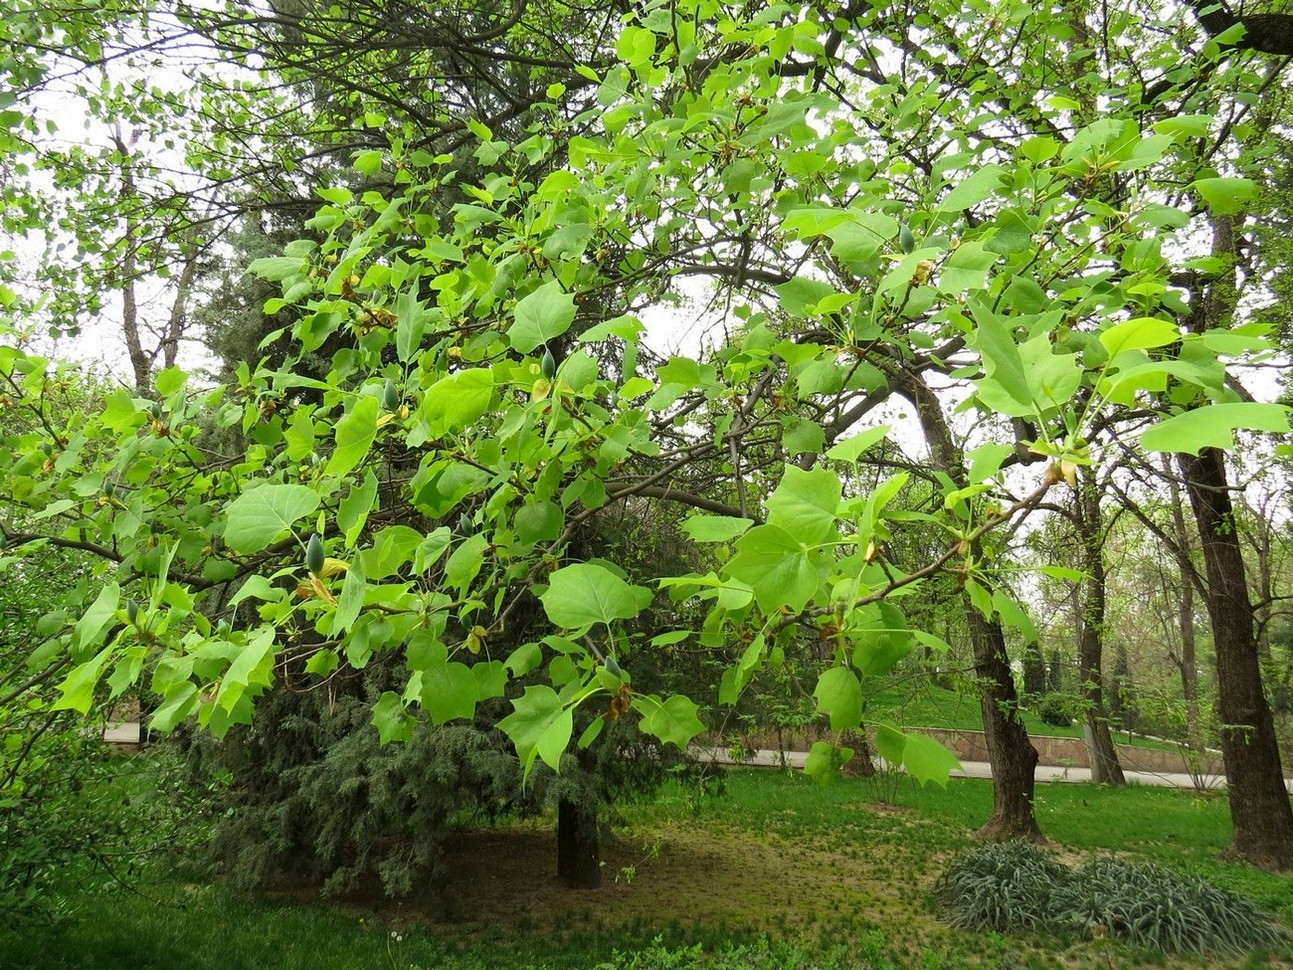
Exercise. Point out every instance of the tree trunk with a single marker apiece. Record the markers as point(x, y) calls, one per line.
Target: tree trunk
point(1011, 754)
point(1105, 769)
point(1185, 615)
point(1034, 672)
point(1259, 801)
point(579, 856)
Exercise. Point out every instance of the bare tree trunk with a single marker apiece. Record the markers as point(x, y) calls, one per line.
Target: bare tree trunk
point(1186, 662)
point(129, 268)
point(1259, 801)
point(579, 860)
point(1105, 769)
point(1012, 755)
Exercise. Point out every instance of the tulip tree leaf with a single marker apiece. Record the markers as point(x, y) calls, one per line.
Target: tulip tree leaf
point(261, 515)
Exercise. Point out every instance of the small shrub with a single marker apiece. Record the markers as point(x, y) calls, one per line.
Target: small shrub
point(1055, 713)
point(1155, 907)
point(1017, 886)
point(1000, 886)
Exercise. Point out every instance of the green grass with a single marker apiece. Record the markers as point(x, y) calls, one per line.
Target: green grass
point(835, 880)
point(930, 706)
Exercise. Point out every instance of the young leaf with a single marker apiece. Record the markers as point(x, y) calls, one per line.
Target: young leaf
point(258, 517)
point(1213, 426)
point(584, 594)
point(825, 761)
point(540, 316)
point(392, 721)
point(673, 721)
point(839, 695)
point(354, 436)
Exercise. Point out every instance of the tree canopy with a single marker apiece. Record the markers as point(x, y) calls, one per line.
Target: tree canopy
point(1019, 222)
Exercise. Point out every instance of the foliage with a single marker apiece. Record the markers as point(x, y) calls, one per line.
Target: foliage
point(314, 799)
point(1018, 886)
point(1002, 886)
point(868, 239)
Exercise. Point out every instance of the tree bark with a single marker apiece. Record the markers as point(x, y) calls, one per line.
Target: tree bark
point(1269, 33)
point(1187, 662)
point(1259, 801)
point(579, 857)
point(1011, 754)
point(1105, 769)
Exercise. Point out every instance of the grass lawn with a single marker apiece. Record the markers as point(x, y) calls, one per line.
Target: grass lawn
point(789, 873)
point(930, 706)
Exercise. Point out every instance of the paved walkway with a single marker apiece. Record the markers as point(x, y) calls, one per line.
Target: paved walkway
point(127, 732)
point(767, 758)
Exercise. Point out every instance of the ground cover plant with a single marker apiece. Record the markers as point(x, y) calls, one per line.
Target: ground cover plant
point(777, 871)
point(1019, 886)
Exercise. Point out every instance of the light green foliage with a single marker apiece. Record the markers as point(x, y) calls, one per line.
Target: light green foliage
point(450, 467)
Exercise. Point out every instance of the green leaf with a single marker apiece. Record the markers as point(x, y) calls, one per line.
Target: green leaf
point(1005, 385)
point(986, 461)
point(180, 701)
point(392, 721)
point(882, 639)
point(351, 600)
point(354, 509)
point(539, 522)
point(1141, 333)
point(449, 691)
point(800, 295)
point(259, 516)
point(1214, 426)
point(776, 566)
point(1225, 196)
point(458, 402)
point(825, 760)
point(585, 594)
point(252, 668)
point(538, 726)
point(540, 316)
point(966, 269)
point(889, 744)
point(354, 436)
point(277, 268)
point(89, 628)
point(78, 687)
point(973, 190)
point(805, 503)
point(673, 721)
point(926, 760)
point(839, 694)
point(368, 162)
point(851, 449)
point(524, 658)
point(715, 528)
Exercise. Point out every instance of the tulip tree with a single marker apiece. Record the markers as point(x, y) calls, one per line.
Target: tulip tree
point(871, 236)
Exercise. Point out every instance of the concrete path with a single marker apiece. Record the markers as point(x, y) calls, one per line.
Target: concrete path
point(127, 732)
point(767, 758)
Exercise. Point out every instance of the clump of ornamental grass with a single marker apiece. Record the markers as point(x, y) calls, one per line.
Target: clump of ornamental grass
point(1017, 886)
